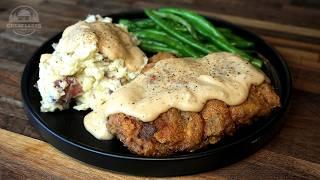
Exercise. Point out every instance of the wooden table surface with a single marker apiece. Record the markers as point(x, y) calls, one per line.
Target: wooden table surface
point(291, 26)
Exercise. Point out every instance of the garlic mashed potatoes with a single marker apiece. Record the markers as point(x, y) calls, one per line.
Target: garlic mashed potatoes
point(92, 59)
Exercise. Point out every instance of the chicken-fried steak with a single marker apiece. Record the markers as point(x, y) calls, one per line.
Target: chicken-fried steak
point(177, 131)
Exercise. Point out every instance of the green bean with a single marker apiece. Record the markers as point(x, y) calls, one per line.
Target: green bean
point(201, 24)
point(148, 23)
point(212, 47)
point(257, 62)
point(224, 30)
point(242, 44)
point(136, 25)
point(235, 40)
point(207, 29)
point(175, 26)
point(233, 37)
point(127, 23)
point(182, 27)
point(145, 23)
point(170, 30)
point(163, 37)
point(150, 42)
point(226, 46)
point(155, 47)
point(178, 20)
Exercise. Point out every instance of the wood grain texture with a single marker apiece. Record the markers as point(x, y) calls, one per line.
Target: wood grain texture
point(35, 158)
point(291, 26)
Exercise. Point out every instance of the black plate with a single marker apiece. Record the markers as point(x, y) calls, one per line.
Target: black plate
point(66, 132)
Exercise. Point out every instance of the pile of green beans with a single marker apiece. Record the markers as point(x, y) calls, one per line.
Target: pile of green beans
point(187, 34)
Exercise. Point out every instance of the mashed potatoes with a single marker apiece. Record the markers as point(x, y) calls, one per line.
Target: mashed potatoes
point(92, 60)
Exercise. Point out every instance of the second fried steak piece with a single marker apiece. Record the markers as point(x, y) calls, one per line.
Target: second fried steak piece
point(177, 131)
